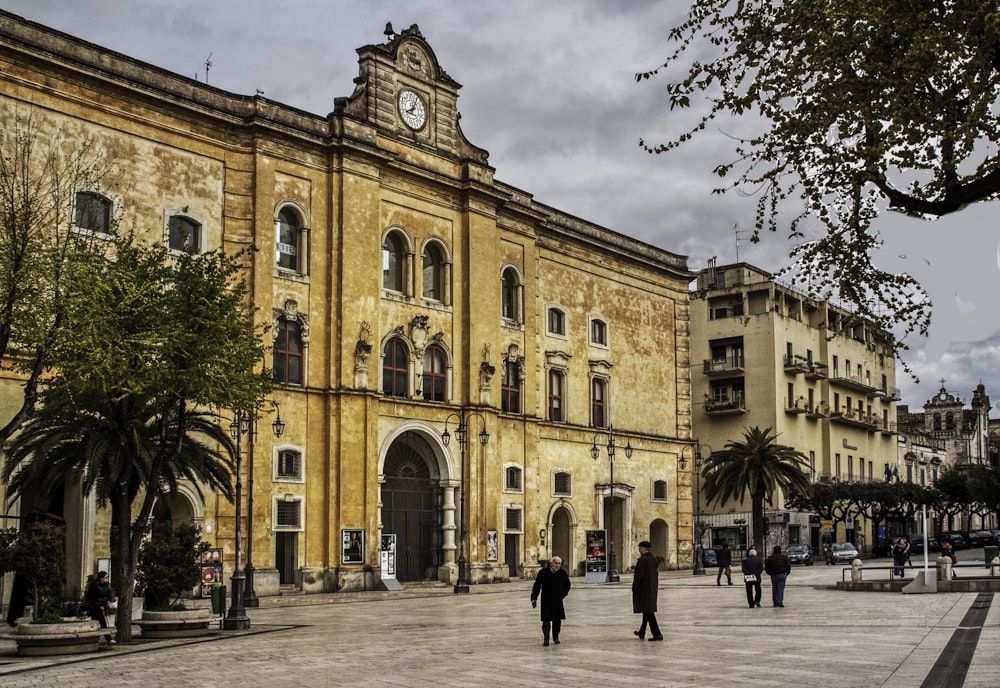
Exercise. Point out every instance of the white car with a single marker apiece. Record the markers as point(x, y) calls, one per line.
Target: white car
point(843, 552)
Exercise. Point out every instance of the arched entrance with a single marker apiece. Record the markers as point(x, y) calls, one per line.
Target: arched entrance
point(410, 510)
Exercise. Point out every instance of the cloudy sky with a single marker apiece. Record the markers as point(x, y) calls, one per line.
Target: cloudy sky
point(549, 91)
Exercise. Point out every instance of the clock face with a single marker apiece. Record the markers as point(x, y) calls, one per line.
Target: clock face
point(412, 110)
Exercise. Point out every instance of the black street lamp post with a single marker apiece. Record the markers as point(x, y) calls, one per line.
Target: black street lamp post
point(462, 435)
point(236, 618)
point(698, 529)
point(277, 427)
point(595, 452)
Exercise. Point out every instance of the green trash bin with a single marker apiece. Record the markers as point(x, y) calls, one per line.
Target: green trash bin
point(218, 598)
point(990, 552)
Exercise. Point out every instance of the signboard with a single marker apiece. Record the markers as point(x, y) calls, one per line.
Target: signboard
point(353, 546)
point(597, 556)
point(387, 555)
point(211, 569)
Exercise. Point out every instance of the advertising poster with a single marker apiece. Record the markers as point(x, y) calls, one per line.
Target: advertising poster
point(492, 546)
point(354, 546)
point(597, 555)
point(388, 555)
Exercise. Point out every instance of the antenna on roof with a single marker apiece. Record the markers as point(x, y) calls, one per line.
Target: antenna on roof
point(737, 233)
point(208, 65)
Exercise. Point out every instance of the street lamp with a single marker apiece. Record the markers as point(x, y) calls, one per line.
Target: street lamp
point(236, 618)
point(740, 523)
point(698, 530)
point(595, 452)
point(277, 427)
point(462, 435)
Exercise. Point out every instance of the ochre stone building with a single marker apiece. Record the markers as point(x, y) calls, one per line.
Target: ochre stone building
point(411, 294)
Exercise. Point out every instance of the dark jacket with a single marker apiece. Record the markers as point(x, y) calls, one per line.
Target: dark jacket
point(725, 557)
point(553, 586)
point(99, 594)
point(645, 584)
point(900, 554)
point(753, 564)
point(777, 563)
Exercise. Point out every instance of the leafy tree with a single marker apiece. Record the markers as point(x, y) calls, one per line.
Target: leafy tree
point(38, 248)
point(125, 407)
point(170, 564)
point(758, 465)
point(37, 551)
point(858, 105)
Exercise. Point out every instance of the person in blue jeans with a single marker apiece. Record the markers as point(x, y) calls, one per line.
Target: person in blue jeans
point(778, 567)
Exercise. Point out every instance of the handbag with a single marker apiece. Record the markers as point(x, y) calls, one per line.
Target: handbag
point(749, 577)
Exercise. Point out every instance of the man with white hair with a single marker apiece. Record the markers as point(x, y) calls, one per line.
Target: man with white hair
point(753, 568)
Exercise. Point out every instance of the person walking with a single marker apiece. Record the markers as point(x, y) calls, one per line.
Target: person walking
point(778, 567)
point(553, 585)
point(645, 587)
point(725, 561)
point(99, 597)
point(753, 569)
point(900, 555)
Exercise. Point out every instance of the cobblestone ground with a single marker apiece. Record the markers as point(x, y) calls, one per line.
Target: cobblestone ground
point(428, 636)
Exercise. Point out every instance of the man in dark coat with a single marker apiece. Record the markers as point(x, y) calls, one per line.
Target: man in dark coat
point(778, 567)
point(644, 591)
point(553, 584)
point(725, 561)
point(753, 569)
point(98, 598)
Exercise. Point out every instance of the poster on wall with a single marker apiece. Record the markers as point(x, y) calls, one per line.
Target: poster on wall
point(211, 569)
point(492, 546)
point(354, 546)
point(387, 552)
point(597, 556)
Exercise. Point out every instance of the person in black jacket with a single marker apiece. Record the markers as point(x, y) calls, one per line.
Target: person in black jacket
point(725, 561)
point(778, 567)
point(752, 566)
point(553, 584)
point(645, 587)
point(98, 598)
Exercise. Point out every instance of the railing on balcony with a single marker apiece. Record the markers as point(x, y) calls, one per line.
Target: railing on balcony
point(727, 366)
point(855, 382)
point(796, 364)
point(796, 405)
point(817, 371)
point(816, 411)
point(717, 407)
point(889, 428)
point(869, 421)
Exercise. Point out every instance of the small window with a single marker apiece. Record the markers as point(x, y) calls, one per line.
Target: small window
point(395, 369)
point(185, 234)
point(660, 490)
point(393, 259)
point(510, 306)
point(434, 375)
point(557, 322)
point(92, 212)
point(598, 332)
point(562, 484)
point(556, 395)
point(598, 403)
point(288, 234)
point(289, 465)
point(288, 514)
point(287, 353)
point(512, 520)
point(512, 478)
point(510, 388)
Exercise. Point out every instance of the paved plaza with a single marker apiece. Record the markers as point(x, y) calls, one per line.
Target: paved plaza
point(428, 636)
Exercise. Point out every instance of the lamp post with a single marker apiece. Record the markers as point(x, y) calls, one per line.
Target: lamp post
point(236, 618)
point(698, 529)
point(741, 524)
point(277, 427)
point(595, 452)
point(462, 435)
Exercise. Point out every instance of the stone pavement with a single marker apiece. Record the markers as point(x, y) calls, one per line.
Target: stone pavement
point(428, 636)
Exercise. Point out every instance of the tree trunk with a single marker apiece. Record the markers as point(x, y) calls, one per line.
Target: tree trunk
point(757, 507)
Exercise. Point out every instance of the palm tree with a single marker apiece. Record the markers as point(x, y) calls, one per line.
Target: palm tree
point(121, 449)
point(758, 465)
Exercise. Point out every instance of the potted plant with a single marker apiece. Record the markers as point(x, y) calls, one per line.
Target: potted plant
point(170, 567)
point(37, 553)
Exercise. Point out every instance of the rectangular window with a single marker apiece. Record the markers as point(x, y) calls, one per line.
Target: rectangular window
point(288, 514)
point(512, 520)
point(510, 388)
point(556, 396)
point(512, 480)
point(287, 353)
point(557, 322)
point(598, 332)
point(598, 406)
point(289, 465)
point(562, 484)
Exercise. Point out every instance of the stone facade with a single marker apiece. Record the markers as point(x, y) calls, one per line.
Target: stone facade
point(409, 293)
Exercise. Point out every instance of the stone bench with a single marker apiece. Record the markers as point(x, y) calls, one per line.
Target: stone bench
point(186, 623)
point(70, 638)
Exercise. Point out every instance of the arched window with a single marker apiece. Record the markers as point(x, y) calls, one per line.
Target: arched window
point(433, 284)
point(659, 490)
point(556, 322)
point(184, 234)
point(92, 211)
point(288, 233)
point(510, 296)
point(393, 259)
point(556, 380)
point(287, 356)
point(395, 368)
point(937, 421)
point(434, 376)
point(949, 421)
point(598, 332)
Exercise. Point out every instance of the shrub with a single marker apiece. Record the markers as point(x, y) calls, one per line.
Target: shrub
point(37, 551)
point(169, 565)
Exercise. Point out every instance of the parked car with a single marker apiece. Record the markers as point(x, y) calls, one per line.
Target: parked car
point(709, 559)
point(799, 554)
point(841, 552)
point(955, 538)
point(985, 538)
point(917, 543)
point(972, 538)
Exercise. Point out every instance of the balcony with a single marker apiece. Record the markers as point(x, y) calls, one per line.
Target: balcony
point(796, 364)
point(869, 422)
point(796, 406)
point(816, 411)
point(725, 407)
point(817, 371)
point(891, 393)
point(723, 368)
point(855, 383)
point(889, 429)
